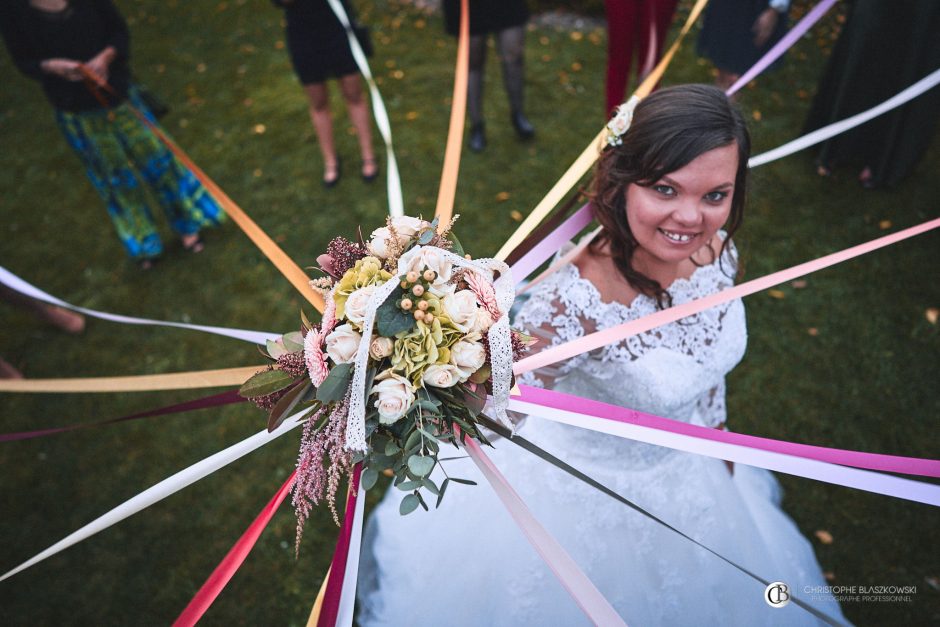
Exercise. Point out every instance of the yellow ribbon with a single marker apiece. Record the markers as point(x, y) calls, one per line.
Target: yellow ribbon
point(225, 377)
point(587, 158)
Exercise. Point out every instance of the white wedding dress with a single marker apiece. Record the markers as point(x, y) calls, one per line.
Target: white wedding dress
point(467, 563)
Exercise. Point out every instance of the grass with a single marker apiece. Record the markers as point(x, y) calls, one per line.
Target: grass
point(865, 380)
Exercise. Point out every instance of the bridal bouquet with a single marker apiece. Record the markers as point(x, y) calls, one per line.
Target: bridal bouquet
point(414, 338)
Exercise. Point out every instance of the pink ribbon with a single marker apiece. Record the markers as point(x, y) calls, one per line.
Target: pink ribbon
point(233, 560)
point(857, 459)
point(615, 334)
point(783, 45)
point(585, 594)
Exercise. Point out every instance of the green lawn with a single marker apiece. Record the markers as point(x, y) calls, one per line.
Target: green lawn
point(865, 379)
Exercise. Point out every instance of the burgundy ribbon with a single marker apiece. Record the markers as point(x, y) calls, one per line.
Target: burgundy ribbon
point(216, 400)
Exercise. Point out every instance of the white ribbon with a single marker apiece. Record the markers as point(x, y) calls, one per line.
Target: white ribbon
point(19, 285)
point(347, 599)
point(160, 491)
point(395, 203)
point(499, 336)
point(819, 135)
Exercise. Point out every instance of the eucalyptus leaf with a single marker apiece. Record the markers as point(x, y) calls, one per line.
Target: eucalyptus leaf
point(390, 320)
point(368, 478)
point(414, 440)
point(430, 486)
point(428, 407)
point(421, 501)
point(336, 383)
point(463, 481)
point(407, 486)
point(391, 448)
point(457, 248)
point(293, 341)
point(428, 434)
point(408, 504)
point(426, 236)
point(275, 350)
point(440, 495)
point(285, 406)
point(264, 383)
point(421, 465)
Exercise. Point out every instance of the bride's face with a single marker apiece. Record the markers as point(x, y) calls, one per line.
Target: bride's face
point(682, 211)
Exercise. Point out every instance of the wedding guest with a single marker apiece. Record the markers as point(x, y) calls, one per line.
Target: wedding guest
point(319, 50)
point(737, 33)
point(884, 48)
point(634, 27)
point(52, 41)
point(669, 194)
point(506, 20)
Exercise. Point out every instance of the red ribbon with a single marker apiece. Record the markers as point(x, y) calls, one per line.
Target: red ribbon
point(233, 560)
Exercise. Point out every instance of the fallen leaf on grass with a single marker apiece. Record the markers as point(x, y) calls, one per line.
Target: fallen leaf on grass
point(502, 196)
point(829, 575)
point(259, 129)
point(515, 215)
point(884, 225)
point(933, 582)
point(756, 115)
point(778, 294)
point(932, 314)
point(799, 284)
point(824, 536)
point(813, 331)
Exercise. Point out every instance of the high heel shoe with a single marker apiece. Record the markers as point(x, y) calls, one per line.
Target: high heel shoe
point(477, 137)
point(524, 128)
point(329, 182)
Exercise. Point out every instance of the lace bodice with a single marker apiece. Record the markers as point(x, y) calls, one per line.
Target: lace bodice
point(675, 371)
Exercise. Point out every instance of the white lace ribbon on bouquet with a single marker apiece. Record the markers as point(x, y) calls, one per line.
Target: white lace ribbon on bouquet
point(500, 340)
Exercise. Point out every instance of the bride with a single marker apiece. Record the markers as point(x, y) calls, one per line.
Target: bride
point(663, 192)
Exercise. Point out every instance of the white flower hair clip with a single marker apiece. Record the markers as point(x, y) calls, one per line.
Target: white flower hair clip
point(619, 124)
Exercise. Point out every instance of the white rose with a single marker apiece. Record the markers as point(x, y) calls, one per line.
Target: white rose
point(441, 375)
point(407, 227)
point(482, 322)
point(421, 257)
point(396, 394)
point(381, 347)
point(342, 344)
point(461, 308)
point(357, 303)
point(467, 357)
point(379, 242)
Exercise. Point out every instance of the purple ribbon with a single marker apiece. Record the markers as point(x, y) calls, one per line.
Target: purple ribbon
point(781, 46)
point(216, 400)
point(552, 242)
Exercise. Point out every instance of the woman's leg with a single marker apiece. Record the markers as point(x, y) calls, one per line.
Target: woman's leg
point(356, 103)
point(475, 92)
point(322, 119)
point(187, 204)
point(510, 45)
point(93, 138)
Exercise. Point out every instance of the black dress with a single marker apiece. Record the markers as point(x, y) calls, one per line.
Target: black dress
point(726, 38)
point(884, 48)
point(316, 41)
point(486, 16)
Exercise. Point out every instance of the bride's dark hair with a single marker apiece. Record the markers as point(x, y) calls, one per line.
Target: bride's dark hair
point(670, 128)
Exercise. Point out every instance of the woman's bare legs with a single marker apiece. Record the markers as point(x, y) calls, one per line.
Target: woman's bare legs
point(322, 119)
point(351, 88)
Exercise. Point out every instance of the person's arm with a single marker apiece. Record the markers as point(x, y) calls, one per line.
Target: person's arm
point(117, 40)
point(17, 43)
point(766, 22)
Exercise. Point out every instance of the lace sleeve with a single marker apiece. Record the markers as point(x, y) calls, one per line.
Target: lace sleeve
point(552, 315)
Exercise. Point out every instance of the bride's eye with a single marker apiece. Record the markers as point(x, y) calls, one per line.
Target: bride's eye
point(716, 197)
point(665, 190)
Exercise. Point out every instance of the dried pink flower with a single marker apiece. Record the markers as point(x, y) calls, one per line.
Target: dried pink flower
point(343, 255)
point(484, 292)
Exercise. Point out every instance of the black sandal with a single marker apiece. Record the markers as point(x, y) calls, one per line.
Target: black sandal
point(368, 178)
point(331, 182)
